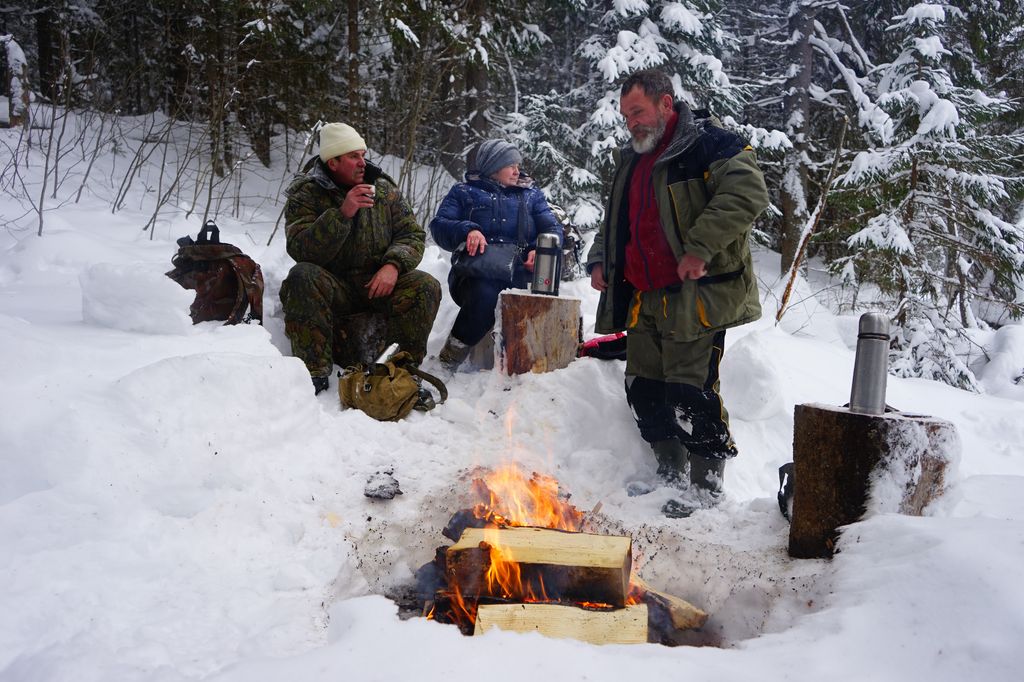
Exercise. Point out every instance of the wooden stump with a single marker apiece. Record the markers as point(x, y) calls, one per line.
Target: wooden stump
point(538, 333)
point(842, 458)
point(359, 339)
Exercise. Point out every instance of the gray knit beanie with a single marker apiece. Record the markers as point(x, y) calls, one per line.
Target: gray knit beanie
point(493, 155)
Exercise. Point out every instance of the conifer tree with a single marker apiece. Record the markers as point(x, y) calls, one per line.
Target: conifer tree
point(936, 235)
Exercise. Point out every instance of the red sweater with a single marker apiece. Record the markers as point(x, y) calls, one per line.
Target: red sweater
point(650, 263)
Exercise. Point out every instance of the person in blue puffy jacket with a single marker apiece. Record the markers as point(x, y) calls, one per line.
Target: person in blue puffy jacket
point(485, 209)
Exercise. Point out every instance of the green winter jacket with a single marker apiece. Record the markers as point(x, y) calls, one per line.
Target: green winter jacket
point(350, 248)
point(709, 190)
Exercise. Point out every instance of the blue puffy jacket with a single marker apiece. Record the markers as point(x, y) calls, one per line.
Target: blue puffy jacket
point(485, 205)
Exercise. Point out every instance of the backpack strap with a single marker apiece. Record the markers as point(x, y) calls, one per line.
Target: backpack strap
point(426, 376)
point(250, 288)
point(210, 234)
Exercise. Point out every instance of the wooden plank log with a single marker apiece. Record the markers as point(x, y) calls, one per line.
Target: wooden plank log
point(616, 626)
point(537, 333)
point(839, 455)
point(681, 614)
point(571, 566)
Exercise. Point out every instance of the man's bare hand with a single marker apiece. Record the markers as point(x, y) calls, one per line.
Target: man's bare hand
point(597, 279)
point(360, 196)
point(531, 258)
point(691, 267)
point(383, 283)
point(475, 241)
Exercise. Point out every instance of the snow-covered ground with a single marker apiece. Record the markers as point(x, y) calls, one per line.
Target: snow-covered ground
point(175, 504)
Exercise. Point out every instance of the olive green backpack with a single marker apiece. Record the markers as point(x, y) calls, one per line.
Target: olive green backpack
point(388, 390)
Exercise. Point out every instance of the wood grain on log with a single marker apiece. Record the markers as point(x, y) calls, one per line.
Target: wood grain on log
point(616, 626)
point(571, 566)
point(840, 457)
point(682, 614)
point(538, 333)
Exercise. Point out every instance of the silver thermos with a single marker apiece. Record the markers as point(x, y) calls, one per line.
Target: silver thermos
point(871, 366)
point(547, 266)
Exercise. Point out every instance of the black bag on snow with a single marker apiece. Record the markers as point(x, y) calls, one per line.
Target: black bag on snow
point(226, 281)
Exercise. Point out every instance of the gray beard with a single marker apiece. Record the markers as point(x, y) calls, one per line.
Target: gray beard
point(653, 138)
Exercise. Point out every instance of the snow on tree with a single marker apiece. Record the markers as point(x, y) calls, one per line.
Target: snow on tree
point(686, 39)
point(935, 190)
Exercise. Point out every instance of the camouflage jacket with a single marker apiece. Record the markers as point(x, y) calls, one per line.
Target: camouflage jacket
point(353, 248)
point(708, 190)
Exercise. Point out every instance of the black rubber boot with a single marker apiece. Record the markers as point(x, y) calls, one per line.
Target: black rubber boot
point(707, 475)
point(706, 479)
point(672, 461)
point(321, 384)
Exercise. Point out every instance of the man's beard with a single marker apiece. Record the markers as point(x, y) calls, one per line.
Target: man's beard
point(651, 139)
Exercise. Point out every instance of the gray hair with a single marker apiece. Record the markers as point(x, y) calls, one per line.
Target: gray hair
point(653, 82)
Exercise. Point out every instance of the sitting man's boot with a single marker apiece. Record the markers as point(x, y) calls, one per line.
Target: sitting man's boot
point(453, 354)
point(321, 384)
point(706, 479)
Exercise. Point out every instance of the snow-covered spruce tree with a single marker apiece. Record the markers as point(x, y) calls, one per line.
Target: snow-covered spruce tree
point(548, 114)
point(806, 68)
point(685, 38)
point(936, 193)
point(550, 135)
point(446, 71)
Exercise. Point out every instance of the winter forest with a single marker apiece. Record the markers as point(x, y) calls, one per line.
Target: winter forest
point(891, 131)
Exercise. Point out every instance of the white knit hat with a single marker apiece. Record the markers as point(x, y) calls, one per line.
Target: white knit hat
point(337, 139)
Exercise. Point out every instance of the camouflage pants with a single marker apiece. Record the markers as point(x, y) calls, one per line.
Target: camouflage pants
point(315, 303)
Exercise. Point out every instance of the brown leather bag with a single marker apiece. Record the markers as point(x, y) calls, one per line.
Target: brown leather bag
point(226, 281)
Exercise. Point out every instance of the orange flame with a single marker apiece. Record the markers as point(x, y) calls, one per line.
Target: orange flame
point(508, 497)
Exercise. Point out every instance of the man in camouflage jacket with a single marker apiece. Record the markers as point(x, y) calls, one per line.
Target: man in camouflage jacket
point(673, 265)
point(356, 244)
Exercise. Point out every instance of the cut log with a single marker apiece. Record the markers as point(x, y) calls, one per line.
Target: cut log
point(681, 614)
point(538, 333)
point(616, 626)
point(578, 567)
point(840, 456)
point(359, 339)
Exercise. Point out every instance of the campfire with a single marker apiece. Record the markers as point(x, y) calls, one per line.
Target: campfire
point(522, 561)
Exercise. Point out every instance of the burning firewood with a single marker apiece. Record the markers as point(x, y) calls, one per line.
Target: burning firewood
point(539, 564)
point(520, 562)
point(610, 626)
point(682, 615)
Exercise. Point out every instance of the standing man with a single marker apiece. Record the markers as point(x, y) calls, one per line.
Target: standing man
point(673, 267)
point(356, 244)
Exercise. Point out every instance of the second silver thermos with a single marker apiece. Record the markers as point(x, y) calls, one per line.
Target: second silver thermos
point(871, 366)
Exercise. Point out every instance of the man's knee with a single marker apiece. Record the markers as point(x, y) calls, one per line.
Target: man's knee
point(648, 401)
point(303, 276)
point(416, 290)
point(307, 286)
point(702, 420)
